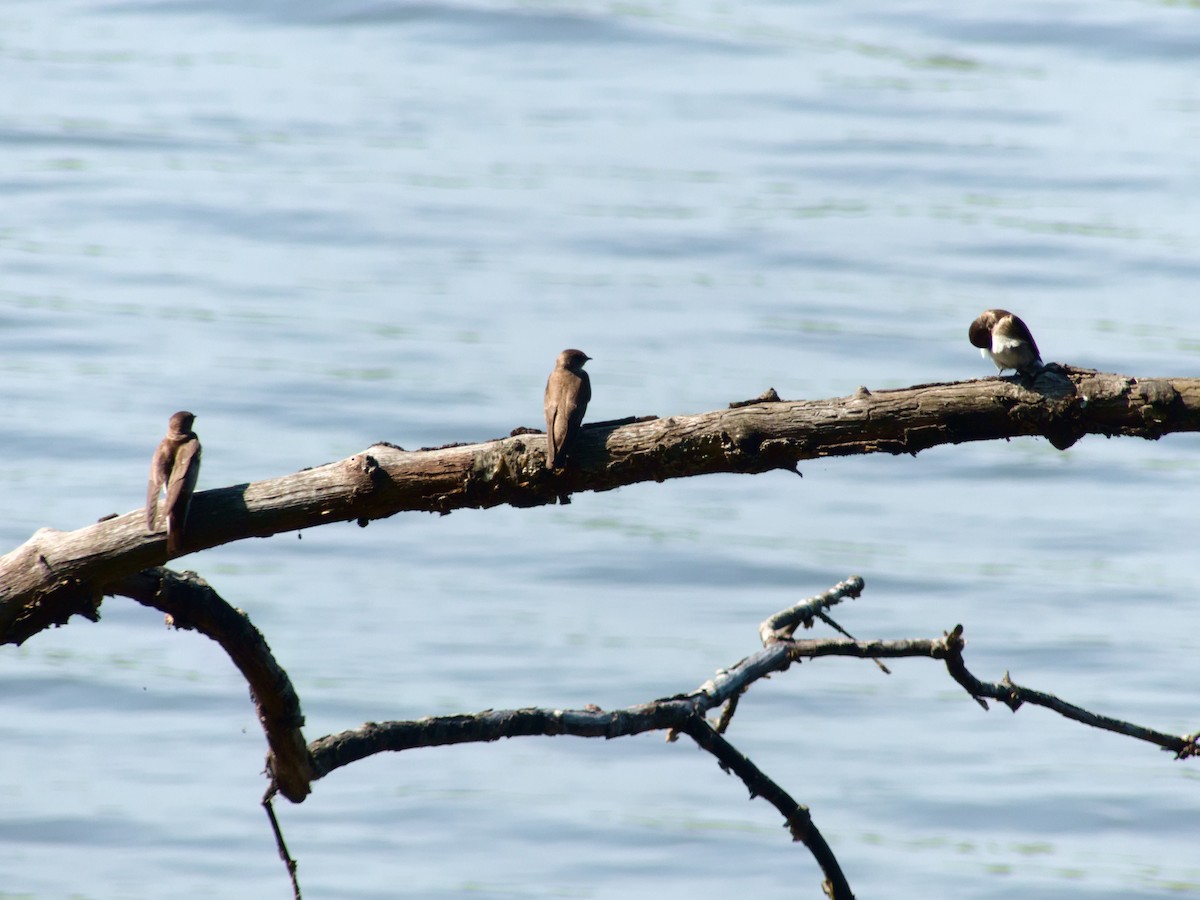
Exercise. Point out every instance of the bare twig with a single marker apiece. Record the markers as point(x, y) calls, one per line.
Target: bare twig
point(334, 751)
point(727, 712)
point(828, 620)
point(190, 603)
point(683, 713)
point(1014, 695)
point(796, 816)
point(280, 844)
point(783, 624)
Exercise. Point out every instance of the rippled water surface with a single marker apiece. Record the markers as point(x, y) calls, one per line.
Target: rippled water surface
point(319, 225)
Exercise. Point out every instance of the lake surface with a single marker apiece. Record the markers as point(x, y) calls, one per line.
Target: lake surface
point(320, 225)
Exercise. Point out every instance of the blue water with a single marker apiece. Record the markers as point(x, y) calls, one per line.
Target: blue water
point(319, 225)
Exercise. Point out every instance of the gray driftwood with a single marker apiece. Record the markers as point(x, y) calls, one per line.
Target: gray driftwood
point(56, 574)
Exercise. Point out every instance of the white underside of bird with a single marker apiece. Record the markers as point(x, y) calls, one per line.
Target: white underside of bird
point(1006, 352)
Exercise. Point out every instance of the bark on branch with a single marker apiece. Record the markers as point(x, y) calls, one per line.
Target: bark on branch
point(190, 603)
point(685, 713)
point(57, 574)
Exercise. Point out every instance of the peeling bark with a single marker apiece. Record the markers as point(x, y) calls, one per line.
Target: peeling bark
point(57, 574)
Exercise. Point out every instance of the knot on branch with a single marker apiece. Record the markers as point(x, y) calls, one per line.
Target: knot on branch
point(953, 641)
point(799, 824)
point(767, 396)
point(369, 476)
point(1012, 699)
point(369, 465)
point(1059, 412)
point(1191, 746)
point(1158, 404)
point(749, 447)
point(512, 472)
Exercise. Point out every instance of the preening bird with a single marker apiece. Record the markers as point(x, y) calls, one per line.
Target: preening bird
point(1005, 340)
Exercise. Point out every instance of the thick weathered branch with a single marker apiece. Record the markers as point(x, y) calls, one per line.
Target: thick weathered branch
point(58, 574)
point(191, 604)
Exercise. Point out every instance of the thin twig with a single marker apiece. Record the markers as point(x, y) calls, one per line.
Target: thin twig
point(1014, 695)
point(269, 806)
point(799, 821)
point(828, 620)
point(727, 714)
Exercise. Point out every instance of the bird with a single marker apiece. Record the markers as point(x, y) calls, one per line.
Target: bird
point(1004, 339)
point(568, 390)
point(176, 466)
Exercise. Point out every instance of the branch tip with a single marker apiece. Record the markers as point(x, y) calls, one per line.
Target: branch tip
point(1190, 748)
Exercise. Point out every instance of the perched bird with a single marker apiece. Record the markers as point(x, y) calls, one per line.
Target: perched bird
point(176, 466)
point(1005, 340)
point(568, 391)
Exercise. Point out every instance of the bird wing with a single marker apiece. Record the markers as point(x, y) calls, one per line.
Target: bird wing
point(180, 487)
point(554, 438)
point(158, 477)
point(554, 431)
point(1019, 330)
point(582, 397)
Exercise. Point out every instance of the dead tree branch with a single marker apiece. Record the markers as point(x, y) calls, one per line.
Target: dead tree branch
point(782, 625)
point(55, 574)
point(268, 803)
point(799, 822)
point(190, 604)
point(685, 713)
point(1014, 696)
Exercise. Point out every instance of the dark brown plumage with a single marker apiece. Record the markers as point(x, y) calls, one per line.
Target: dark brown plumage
point(176, 466)
point(568, 390)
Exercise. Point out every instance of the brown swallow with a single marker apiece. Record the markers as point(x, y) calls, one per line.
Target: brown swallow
point(1005, 340)
point(568, 391)
point(176, 466)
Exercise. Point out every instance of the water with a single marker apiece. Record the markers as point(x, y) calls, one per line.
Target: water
point(322, 225)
